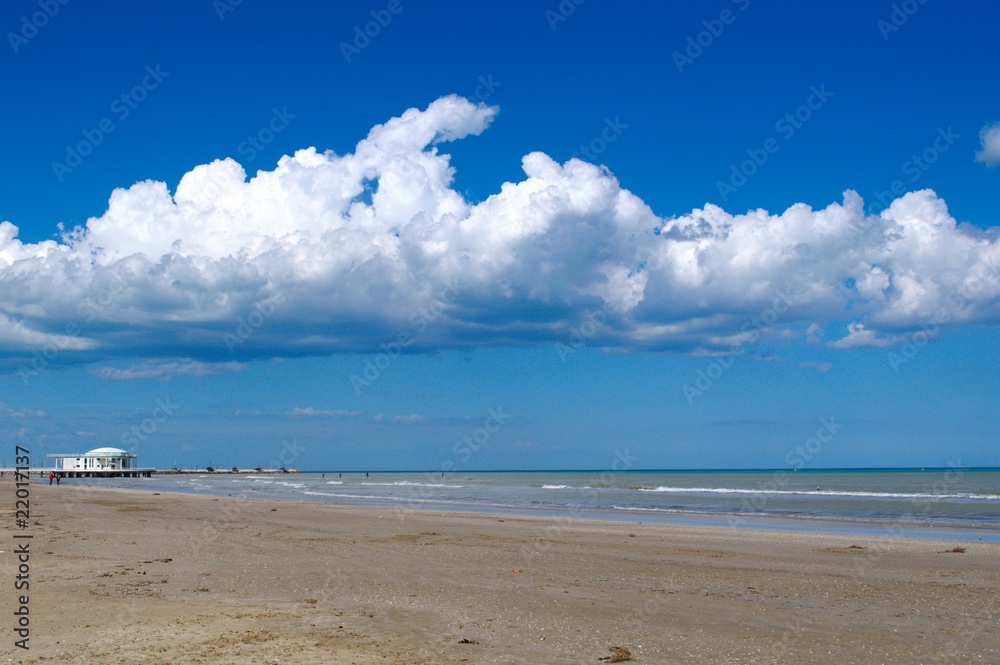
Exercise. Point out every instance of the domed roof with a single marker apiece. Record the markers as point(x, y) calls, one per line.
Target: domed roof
point(107, 451)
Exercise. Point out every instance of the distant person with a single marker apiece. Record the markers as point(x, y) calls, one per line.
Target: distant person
point(366, 474)
point(57, 479)
point(323, 475)
point(51, 477)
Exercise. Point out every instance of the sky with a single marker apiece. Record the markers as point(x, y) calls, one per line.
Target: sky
point(404, 235)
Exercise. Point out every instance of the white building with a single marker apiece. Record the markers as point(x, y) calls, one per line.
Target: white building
point(98, 459)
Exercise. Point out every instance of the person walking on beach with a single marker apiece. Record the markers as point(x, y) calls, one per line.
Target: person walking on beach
point(51, 476)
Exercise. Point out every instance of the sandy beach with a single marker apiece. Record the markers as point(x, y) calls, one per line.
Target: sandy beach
point(136, 577)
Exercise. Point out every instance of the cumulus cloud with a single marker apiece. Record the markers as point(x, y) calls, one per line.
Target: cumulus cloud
point(989, 137)
point(859, 335)
point(336, 253)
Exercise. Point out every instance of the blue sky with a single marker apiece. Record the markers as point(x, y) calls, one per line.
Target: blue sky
point(501, 237)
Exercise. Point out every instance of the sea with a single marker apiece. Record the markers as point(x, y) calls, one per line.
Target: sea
point(933, 502)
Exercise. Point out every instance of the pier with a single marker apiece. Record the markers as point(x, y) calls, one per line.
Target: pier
point(234, 470)
point(101, 473)
point(43, 472)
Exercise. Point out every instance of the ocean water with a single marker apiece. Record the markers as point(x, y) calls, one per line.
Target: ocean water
point(918, 502)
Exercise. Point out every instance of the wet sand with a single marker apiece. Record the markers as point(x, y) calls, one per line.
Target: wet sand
point(136, 577)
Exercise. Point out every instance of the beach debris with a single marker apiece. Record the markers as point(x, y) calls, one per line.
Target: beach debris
point(618, 655)
point(850, 549)
point(631, 535)
point(466, 640)
point(516, 570)
point(953, 550)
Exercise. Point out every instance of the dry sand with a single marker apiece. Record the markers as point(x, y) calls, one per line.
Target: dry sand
point(137, 577)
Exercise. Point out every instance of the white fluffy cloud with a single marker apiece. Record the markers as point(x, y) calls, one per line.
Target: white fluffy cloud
point(340, 253)
point(989, 153)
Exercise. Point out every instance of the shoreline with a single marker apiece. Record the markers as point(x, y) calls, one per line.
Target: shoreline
point(585, 518)
point(773, 522)
point(135, 576)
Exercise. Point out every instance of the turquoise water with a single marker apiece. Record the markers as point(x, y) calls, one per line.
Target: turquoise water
point(912, 500)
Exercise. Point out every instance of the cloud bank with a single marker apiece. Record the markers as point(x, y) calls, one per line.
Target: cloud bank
point(375, 249)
